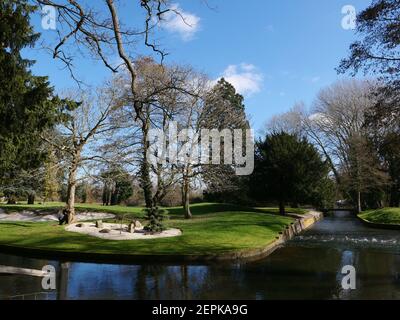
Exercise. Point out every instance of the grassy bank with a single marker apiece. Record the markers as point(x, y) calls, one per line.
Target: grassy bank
point(390, 216)
point(215, 229)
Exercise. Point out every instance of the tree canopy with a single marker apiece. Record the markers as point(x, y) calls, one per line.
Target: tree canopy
point(27, 105)
point(378, 50)
point(288, 169)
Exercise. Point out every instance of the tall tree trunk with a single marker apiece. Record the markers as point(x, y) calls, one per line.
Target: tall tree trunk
point(186, 197)
point(31, 198)
point(71, 189)
point(146, 184)
point(160, 192)
point(145, 174)
point(359, 209)
point(282, 208)
point(104, 196)
point(394, 196)
point(114, 195)
point(108, 195)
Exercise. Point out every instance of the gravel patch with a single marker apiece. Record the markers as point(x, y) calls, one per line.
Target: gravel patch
point(113, 231)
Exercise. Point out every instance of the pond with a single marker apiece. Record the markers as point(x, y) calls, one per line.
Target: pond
point(307, 267)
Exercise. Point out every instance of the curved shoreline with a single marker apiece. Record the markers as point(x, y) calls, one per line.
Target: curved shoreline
point(301, 223)
point(375, 225)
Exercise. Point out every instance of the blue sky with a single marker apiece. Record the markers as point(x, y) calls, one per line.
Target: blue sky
point(276, 52)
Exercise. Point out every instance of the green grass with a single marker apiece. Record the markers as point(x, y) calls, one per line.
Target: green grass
point(288, 210)
point(137, 212)
point(383, 216)
point(215, 228)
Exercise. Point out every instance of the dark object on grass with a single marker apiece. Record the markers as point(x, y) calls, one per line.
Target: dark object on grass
point(63, 217)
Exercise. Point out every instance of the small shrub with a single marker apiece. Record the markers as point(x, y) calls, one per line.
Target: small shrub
point(155, 217)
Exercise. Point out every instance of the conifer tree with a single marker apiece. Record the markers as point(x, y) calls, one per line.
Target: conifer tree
point(27, 105)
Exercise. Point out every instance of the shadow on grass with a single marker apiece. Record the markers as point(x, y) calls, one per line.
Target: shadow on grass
point(205, 209)
point(16, 224)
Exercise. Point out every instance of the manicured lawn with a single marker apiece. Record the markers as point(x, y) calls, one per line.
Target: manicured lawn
point(137, 212)
point(384, 216)
point(288, 210)
point(215, 228)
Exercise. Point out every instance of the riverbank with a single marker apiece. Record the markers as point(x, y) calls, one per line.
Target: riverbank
point(386, 218)
point(315, 257)
point(210, 235)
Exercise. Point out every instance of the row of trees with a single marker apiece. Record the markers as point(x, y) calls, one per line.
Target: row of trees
point(102, 133)
point(355, 123)
point(350, 136)
point(378, 52)
point(336, 125)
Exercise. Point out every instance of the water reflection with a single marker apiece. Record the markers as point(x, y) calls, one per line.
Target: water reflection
point(308, 267)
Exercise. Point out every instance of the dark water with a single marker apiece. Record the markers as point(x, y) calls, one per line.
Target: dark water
point(308, 267)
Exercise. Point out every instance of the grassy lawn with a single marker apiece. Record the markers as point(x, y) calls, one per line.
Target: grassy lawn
point(215, 228)
point(384, 216)
point(137, 212)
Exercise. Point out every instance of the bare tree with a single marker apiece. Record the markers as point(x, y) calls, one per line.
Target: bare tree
point(170, 95)
point(291, 122)
point(163, 92)
point(101, 33)
point(84, 121)
point(220, 112)
point(335, 124)
point(365, 173)
point(98, 30)
point(95, 28)
point(337, 115)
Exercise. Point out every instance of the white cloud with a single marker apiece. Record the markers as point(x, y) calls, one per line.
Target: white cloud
point(245, 77)
point(178, 21)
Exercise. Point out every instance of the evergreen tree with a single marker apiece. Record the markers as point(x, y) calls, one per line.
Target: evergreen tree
point(224, 109)
point(26, 103)
point(117, 186)
point(155, 216)
point(287, 170)
point(51, 183)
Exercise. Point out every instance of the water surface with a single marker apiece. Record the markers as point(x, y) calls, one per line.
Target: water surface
point(307, 267)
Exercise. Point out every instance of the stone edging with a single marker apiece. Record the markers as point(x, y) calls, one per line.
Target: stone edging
point(379, 225)
point(301, 223)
